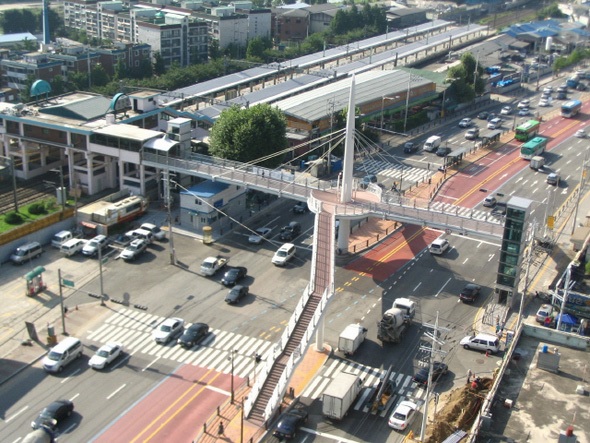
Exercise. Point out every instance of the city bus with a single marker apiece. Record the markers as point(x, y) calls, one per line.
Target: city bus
point(527, 130)
point(533, 147)
point(571, 108)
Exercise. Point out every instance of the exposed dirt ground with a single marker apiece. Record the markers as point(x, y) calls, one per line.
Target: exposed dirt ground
point(459, 411)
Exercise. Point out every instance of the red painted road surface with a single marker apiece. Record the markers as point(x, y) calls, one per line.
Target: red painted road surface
point(501, 165)
point(393, 253)
point(176, 410)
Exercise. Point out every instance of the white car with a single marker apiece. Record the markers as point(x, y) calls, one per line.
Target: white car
point(134, 250)
point(524, 112)
point(168, 330)
point(105, 355)
point(580, 133)
point(261, 234)
point(155, 230)
point(465, 123)
point(403, 415)
point(548, 90)
point(544, 103)
point(506, 110)
point(523, 104)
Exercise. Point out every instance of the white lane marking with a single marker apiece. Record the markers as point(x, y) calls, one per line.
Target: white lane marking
point(70, 376)
point(443, 286)
point(147, 367)
point(75, 397)
point(116, 391)
point(220, 391)
point(330, 436)
point(417, 286)
point(16, 414)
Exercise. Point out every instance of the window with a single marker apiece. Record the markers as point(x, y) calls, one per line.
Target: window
point(197, 201)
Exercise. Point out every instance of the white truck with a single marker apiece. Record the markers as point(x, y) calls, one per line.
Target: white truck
point(211, 265)
point(340, 394)
point(395, 321)
point(432, 143)
point(351, 338)
point(537, 162)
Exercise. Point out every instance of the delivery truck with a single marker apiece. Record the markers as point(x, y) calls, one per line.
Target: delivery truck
point(351, 338)
point(537, 162)
point(340, 395)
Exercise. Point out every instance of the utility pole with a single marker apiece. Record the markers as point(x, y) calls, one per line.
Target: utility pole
point(100, 275)
point(169, 205)
point(432, 350)
point(61, 304)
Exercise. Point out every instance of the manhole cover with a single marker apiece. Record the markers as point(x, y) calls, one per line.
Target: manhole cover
point(480, 361)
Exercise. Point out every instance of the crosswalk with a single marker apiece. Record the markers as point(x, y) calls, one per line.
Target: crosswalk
point(395, 171)
point(476, 214)
point(133, 329)
point(404, 387)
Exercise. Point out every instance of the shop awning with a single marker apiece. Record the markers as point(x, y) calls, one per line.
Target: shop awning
point(88, 225)
point(34, 273)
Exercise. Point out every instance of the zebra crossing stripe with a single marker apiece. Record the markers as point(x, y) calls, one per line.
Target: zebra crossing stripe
point(311, 388)
point(331, 368)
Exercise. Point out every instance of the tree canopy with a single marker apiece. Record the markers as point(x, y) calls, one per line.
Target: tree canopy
point(466, 83)
point(250, 134)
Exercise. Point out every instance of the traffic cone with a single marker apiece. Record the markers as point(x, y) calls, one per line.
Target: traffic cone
point(487, 353)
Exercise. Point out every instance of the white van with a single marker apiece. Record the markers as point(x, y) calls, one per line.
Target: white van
point(495, 123)
point(439, 246)
point(432, 143)
point(73, 246)
point(62, 354)
point(26, 253)
point(284, 254)
point(60, 238)
point(481, 342)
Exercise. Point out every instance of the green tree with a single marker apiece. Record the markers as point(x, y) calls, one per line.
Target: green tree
point(58, 85)
point(250, 134)
point(120, 70)
point(551, 11)
point(159, 65)
point(99, 75)
point(256, 48)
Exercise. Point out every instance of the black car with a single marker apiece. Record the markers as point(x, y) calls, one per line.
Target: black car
point(53, 414)
point(290, 231)
point(438, 369)
point(410, 148)
point(289, 423)
point(236, 294)
point(300, 208)
point(234, 275)
point(193, 335)
point(483, 115)
point(469, 292)
point(491, 116)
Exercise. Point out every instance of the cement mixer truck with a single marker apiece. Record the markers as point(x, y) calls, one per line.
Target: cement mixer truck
point(395, 321)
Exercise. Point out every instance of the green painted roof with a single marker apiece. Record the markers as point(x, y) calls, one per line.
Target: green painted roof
point(435, 77)
point(86, 109)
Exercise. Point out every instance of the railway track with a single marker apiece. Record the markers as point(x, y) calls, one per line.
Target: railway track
point(27, 191)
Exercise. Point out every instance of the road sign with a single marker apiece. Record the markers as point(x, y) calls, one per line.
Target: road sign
point(69, 283)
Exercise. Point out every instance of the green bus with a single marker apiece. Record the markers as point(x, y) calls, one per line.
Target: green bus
point(527, 130)
point(533, 147)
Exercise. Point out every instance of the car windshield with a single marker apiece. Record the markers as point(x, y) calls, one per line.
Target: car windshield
point(102, 353)
point(20, 252)
point(282, 253)
point(55, 356)
point(93, 243)
point(165, 328)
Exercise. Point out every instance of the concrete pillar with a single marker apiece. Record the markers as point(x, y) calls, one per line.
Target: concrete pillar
point(319, 335)
point(90, 173)
point(343, 235)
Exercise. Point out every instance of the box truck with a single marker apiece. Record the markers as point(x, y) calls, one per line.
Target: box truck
point(351, 338)
point(340, 394)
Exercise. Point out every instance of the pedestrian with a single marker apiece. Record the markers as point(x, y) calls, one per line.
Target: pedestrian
point(469, 374)
point(536, 294)
point(220, 430)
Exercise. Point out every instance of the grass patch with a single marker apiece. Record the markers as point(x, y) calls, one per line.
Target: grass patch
point(49, 206)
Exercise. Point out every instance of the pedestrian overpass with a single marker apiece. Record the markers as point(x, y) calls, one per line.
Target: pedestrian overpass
point(323, 199)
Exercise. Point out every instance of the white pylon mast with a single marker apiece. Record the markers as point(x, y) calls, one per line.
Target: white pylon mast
point(346, 193)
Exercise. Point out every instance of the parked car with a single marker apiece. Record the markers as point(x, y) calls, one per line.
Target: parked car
point(105, 355)
point(481, 342)
point(260, 235)
point(134, 250)
point(236, 294)
point(289, 423)
point(438, 369)
point(465, 123)
point(300, 208)
point(544, 311)
point(155, 230)
point(193, 335)
point(56, 412)
point(403, 415)
point(469, 292)
point(167, 330)
point(234, 275)
point(94, 245)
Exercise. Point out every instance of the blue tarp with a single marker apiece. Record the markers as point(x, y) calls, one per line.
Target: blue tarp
point(568, 319)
